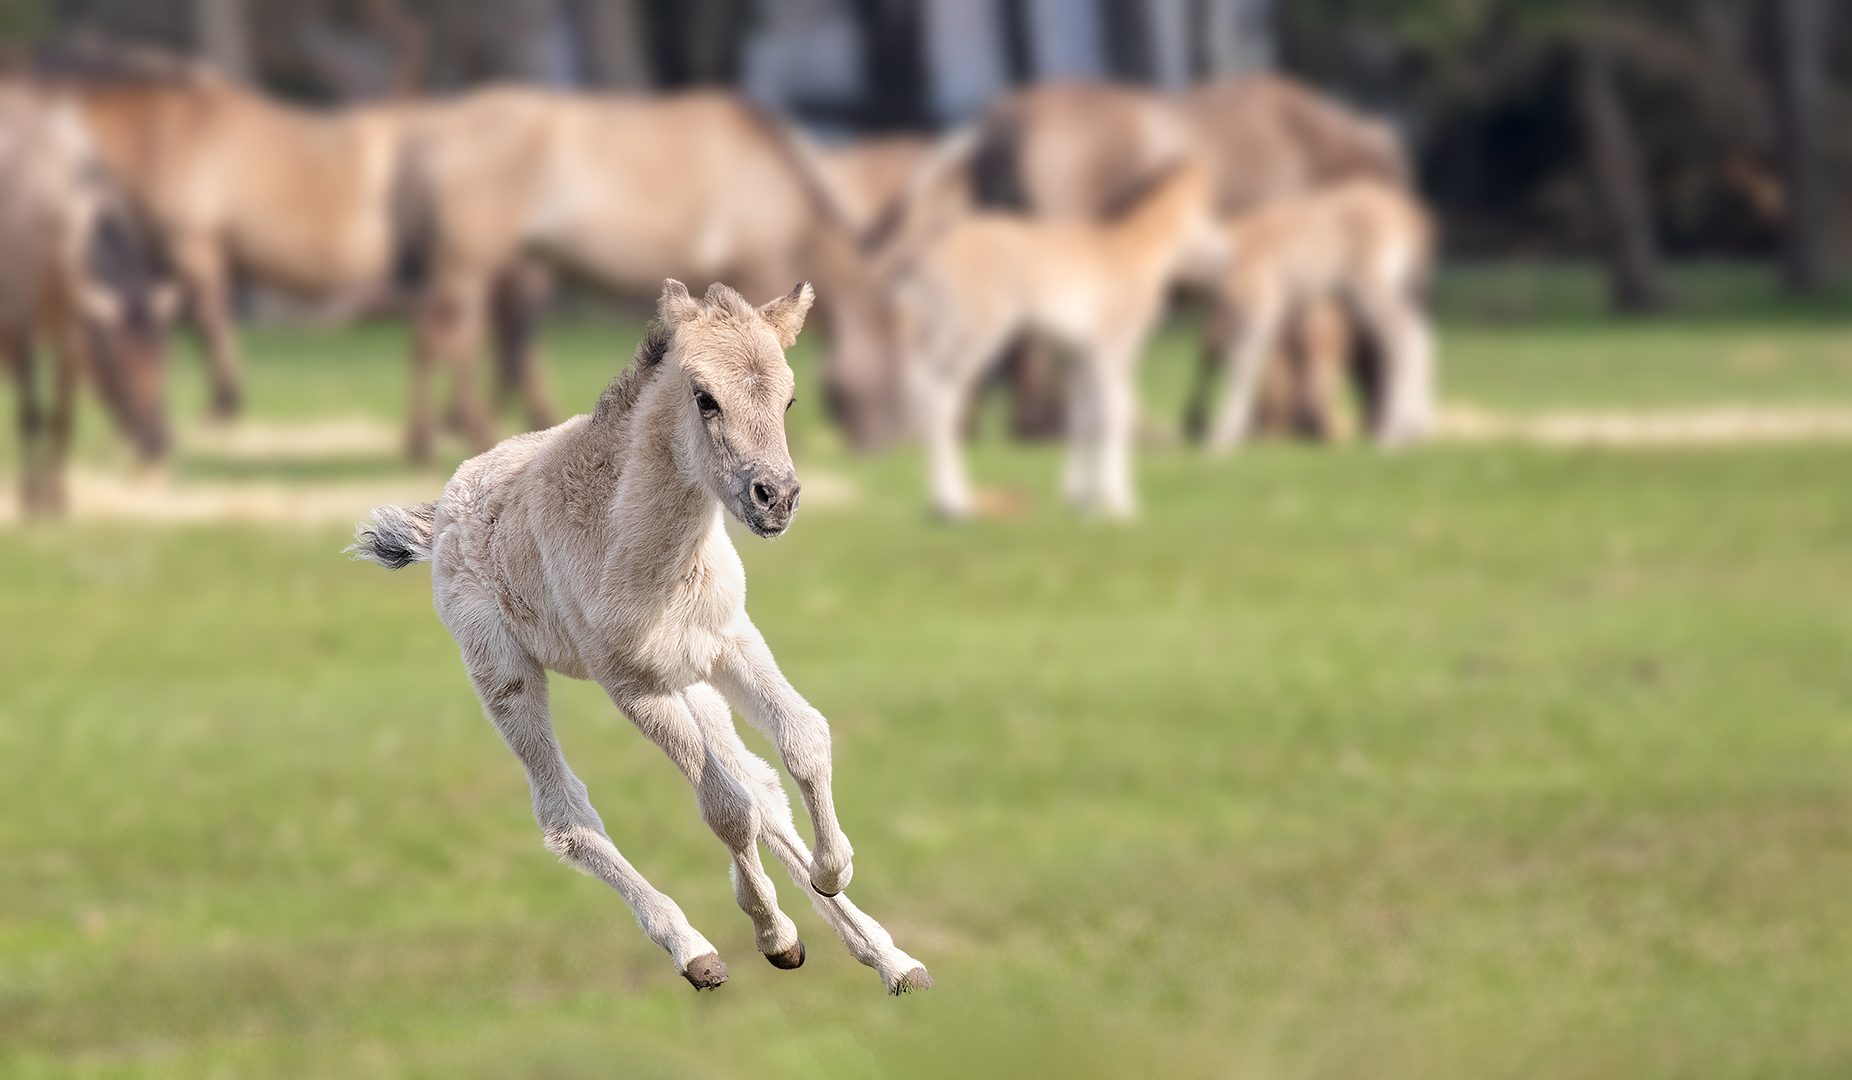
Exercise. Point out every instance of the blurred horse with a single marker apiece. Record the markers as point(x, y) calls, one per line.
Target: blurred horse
point(308, 202)
point(232, 181)
point(1093, 291)
point(1363, 243)
point(79, 275)
point(868, 176)
point(626, 192)
point(1071, 151)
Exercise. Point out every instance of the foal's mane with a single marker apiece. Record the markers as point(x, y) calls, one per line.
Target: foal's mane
point(621, 396)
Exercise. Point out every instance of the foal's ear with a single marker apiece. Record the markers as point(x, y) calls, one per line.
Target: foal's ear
point(676, 306)
point(786, 314)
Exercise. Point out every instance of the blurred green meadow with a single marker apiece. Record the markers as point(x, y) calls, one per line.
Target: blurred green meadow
point(1471, 761)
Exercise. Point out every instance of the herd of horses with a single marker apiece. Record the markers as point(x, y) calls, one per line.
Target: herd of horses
point(1050, 233)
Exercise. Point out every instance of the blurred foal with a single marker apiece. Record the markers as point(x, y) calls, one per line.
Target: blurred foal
point(1363, 243)
point(1095, 292)
point(598, 549)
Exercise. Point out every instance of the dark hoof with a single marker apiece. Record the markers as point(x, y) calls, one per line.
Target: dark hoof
point(789, 960)
point(826, 895)
point(917, 979)
point(707, 972)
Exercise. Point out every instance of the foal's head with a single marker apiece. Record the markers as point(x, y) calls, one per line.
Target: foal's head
point(726, 362)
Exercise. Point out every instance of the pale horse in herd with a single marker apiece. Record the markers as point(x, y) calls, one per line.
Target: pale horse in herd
point(598, 549)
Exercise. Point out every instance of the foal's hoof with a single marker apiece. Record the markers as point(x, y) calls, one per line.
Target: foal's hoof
point(789, 960)
point(917, 979)
point(705, 972)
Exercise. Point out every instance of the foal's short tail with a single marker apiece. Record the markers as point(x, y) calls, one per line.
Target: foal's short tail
point(397, 536)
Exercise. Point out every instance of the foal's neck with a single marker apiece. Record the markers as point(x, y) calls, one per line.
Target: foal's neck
point(657, 511)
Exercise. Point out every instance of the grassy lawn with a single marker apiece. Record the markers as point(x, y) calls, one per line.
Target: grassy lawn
point(1475, 761)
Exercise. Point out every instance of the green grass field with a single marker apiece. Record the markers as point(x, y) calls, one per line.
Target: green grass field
point(1473, 761)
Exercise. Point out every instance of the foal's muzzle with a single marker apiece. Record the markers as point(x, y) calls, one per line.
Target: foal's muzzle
point(769, 501)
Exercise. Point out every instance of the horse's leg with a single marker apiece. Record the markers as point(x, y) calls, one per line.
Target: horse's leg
point(520, 295)
point(1408, 351)
point(748, 675)
point(513, 690)
point(942, 397)
point(201, 265)
point(450, 326)
point(1118, 423)
point(1246, 361)
point(773, 932)
point(31, 421)
point(66, 367)
point(1080, 469)
point(865, 938)
point(1208, 367)
point(426, 331)
point(1326, 332)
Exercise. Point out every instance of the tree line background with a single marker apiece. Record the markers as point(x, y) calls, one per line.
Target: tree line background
point(1630, 130)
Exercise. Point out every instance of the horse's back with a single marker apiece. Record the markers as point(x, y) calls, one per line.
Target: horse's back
point(628, 189)
point(300, 197)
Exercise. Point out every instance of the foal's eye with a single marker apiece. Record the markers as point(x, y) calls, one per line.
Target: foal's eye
point(790, 403)
point(706, 403)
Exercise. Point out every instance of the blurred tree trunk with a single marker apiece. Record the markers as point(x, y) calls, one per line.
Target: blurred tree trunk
point(893, 63)
point(1614, 175)
point(693, 42)
point(1233, 37)
point(609, 37)
point(411, 45)
point(219, 35)
point(1794, 58)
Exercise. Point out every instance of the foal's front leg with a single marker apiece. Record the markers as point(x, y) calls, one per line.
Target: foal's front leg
point(686, 726)
point(749, 677)
point(867, 941)
point(513, 690)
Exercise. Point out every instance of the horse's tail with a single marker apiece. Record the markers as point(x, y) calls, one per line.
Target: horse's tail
point(396, 536)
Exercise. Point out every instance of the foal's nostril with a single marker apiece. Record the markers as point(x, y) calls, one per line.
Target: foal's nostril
point(762, 495)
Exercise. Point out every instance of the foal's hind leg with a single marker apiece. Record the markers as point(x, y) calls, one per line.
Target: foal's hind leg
point(513, 689)
point(1246, 361)
point(867, 941)
point(773, 932)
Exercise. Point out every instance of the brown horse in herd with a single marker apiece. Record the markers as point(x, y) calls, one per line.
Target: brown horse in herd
point(78, 276)
point(624, 192)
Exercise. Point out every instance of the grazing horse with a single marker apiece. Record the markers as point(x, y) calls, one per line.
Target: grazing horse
point(598, 549)
point(1093, 291)
point(867, 176)
point(1365, 244)
point(623, 191)
point(233, 182)
point(78, 274)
